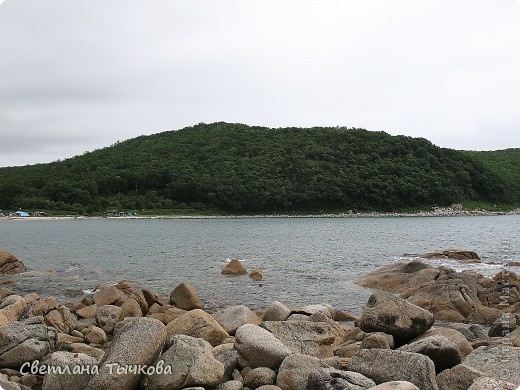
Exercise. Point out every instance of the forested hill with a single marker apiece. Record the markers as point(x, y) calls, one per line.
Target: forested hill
point(237, 168)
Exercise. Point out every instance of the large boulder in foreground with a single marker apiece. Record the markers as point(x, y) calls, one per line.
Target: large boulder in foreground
point(192, 364)
point(10, 265)
point(496, 361)
point(387, 313)
point(25, 341)
point(444, 353)
point(384, 365)
point(138, 342)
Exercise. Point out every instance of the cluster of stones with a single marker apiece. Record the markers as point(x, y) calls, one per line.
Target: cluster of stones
point(466, 296)
point(235, 267)
point(137, 340)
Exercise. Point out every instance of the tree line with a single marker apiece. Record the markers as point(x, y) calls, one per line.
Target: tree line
point(235, 168)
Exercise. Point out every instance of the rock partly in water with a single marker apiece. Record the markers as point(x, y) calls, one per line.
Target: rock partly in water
point(138, 342)
point(10, 265)
point(185, 297)
point(465, 256)
point(387, 313)
point(234, 267)
point(259, 348)
point(256, 275)
point(384, 365)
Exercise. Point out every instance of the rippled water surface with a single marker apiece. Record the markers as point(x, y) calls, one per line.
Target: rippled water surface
point(304, 260)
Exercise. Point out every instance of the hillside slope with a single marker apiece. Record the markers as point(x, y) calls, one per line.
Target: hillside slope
point(237, 168)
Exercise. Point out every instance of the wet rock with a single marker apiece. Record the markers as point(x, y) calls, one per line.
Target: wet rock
point(502, 360)
point(185, 297)
point(198, 323)
point(444, 353)
point(276, 312)
point(138, 342)
point(109, 295)
point(234, 317)
point(25, 341)
point(259, 376)
point(259, 348)
point(256, 275)
point(459, 377)
point(234, 267)
point(317, 339)
point(383, 365)
point(387, 313)
point(10, 265)
point(192, 364)
point(65, 380)
point(108, 316)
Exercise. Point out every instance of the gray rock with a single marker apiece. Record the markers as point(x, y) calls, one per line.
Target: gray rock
point(107, 316)
point(459, 377)
point(455, 336)
point(384, 365)
point(234, 317)
point(230, 361)
point(25, 341)
point(259, 348)
point(485, 383)
point(138, 342)
point(259, 376)
point(332, 379)
point(347, 350)
point(317, 339)
point(497, 361)
point(65, 380)
point(230, 385)
point(269, 387)
point(504, 325)
point(5, 384)
point(395, 385)
point(309, 310)
point(9, 300)
point(192, 364)
point(444, 353)
point(387, 313)
point(295, 370)
point(276, 312)
point(377, 340)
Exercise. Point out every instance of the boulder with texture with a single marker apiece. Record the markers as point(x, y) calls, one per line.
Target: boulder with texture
point(185, 297)
point(459, 377)
point(486, 383)
point(138, 342)
point(453, 335)
point(109, 295)
point(65, 380)
point(395, 385)
point(25, 341)
point(377, 340)
point(387, 313)
point(259, 348)
point(198, 323)
point(497, 361)
point(192, 364)
point(259, 376)
point(333, 379)
point(317, 339)
point(234, 317)
point(384, 365)
point(108, 316)
point(276, 311)
point(444, 353)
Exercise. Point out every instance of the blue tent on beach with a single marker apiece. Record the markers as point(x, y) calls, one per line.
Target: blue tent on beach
point(22, 214)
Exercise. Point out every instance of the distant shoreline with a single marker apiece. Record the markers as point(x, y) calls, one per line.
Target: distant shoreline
point(435, 213)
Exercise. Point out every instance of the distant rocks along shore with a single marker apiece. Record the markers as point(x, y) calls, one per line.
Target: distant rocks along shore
point(127, 338)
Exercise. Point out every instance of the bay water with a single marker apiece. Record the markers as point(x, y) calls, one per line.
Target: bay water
point(303, 260)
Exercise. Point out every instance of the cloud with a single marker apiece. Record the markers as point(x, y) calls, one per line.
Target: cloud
point(80, 75)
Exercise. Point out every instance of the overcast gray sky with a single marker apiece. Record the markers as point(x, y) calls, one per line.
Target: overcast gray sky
point(77, 75)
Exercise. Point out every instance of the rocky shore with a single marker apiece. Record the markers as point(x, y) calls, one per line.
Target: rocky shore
point(423, 327)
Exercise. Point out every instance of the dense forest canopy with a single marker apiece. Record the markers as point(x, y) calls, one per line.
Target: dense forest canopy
point(236, 168)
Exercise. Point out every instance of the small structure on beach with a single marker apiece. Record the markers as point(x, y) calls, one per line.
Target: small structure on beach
point(21, 213)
